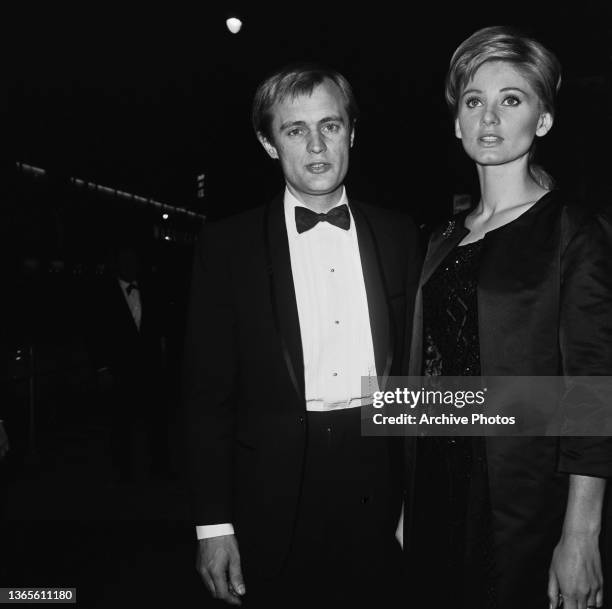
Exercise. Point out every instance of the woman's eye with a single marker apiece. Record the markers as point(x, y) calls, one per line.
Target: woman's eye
point(472, 102)
point(512, 100)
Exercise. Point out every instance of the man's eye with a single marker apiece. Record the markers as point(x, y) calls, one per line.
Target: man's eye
point(295, 132)
point(331, 127)
point(472, 102)
point(511, 100)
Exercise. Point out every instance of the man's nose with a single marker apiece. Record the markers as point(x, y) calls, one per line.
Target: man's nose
point(316, 143)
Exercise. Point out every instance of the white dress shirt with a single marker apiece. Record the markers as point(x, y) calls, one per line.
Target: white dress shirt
point(334, 320)
point(133, 301)
point(333, 312)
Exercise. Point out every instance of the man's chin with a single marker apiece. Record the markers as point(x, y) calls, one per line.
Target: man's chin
point(324, 192)
point(322, 186)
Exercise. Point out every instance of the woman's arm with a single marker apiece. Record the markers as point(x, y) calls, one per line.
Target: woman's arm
point(585, 339)
point(584, 505)
point(575, 570)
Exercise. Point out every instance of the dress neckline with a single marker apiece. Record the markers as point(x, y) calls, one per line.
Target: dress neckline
point(479, 242)
point(526, 213)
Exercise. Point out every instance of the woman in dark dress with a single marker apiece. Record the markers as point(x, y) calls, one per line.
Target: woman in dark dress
point(519, 286)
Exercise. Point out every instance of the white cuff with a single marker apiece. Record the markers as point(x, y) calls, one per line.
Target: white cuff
point(214, 530)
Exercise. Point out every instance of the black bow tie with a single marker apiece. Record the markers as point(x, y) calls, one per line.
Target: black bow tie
point(130, 287)
point(305, 218)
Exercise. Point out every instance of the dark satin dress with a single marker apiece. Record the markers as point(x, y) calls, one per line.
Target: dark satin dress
point(453, 544)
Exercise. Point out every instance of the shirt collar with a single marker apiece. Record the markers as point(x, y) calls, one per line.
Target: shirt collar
point(124, 284)
point(293, 202)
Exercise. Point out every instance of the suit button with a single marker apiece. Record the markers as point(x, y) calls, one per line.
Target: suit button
point(365, 499)
point(301, 420)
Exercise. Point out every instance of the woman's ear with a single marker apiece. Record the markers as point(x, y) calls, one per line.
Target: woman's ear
point(457, 128)
point(545, 122)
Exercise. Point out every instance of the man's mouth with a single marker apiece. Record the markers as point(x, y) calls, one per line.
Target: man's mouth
point(318, 167)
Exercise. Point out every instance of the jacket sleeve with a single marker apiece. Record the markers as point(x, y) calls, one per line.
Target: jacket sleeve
point(209, 371)
point(586, 345)
point(413, 276)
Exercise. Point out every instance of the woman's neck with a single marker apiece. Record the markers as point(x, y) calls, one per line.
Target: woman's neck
point(506, 192)
point(504, 187)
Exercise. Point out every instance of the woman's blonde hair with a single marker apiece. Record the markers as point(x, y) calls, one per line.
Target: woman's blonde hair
point(533, 60)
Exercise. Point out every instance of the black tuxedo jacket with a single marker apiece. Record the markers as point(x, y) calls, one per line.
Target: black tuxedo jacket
point(244, 377)
point(132, 355)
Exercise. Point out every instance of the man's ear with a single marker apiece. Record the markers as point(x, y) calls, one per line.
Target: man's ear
point(457, 129)
point(269, 148)
point(545, 122)
point(352, 134)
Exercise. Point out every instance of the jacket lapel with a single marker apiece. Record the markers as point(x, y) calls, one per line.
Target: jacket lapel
point(441, 244)
point(381, 322)
point(284, 303)
point(282, 293)
point(143, 318)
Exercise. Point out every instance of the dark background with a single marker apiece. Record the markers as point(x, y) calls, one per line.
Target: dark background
point(144, 101)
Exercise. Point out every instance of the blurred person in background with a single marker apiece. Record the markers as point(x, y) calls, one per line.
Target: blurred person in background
point(125, 336)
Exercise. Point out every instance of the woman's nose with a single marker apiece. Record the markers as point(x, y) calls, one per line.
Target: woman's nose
point(489, 116)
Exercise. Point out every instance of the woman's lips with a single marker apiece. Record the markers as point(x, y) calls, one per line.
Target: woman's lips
point(490, 140)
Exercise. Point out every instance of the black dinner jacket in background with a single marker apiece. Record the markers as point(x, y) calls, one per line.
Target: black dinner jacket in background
point(132, 355)
point(244, 376)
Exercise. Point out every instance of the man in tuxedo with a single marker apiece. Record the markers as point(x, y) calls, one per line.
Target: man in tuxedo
point(123, 328)
point(292, 304)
